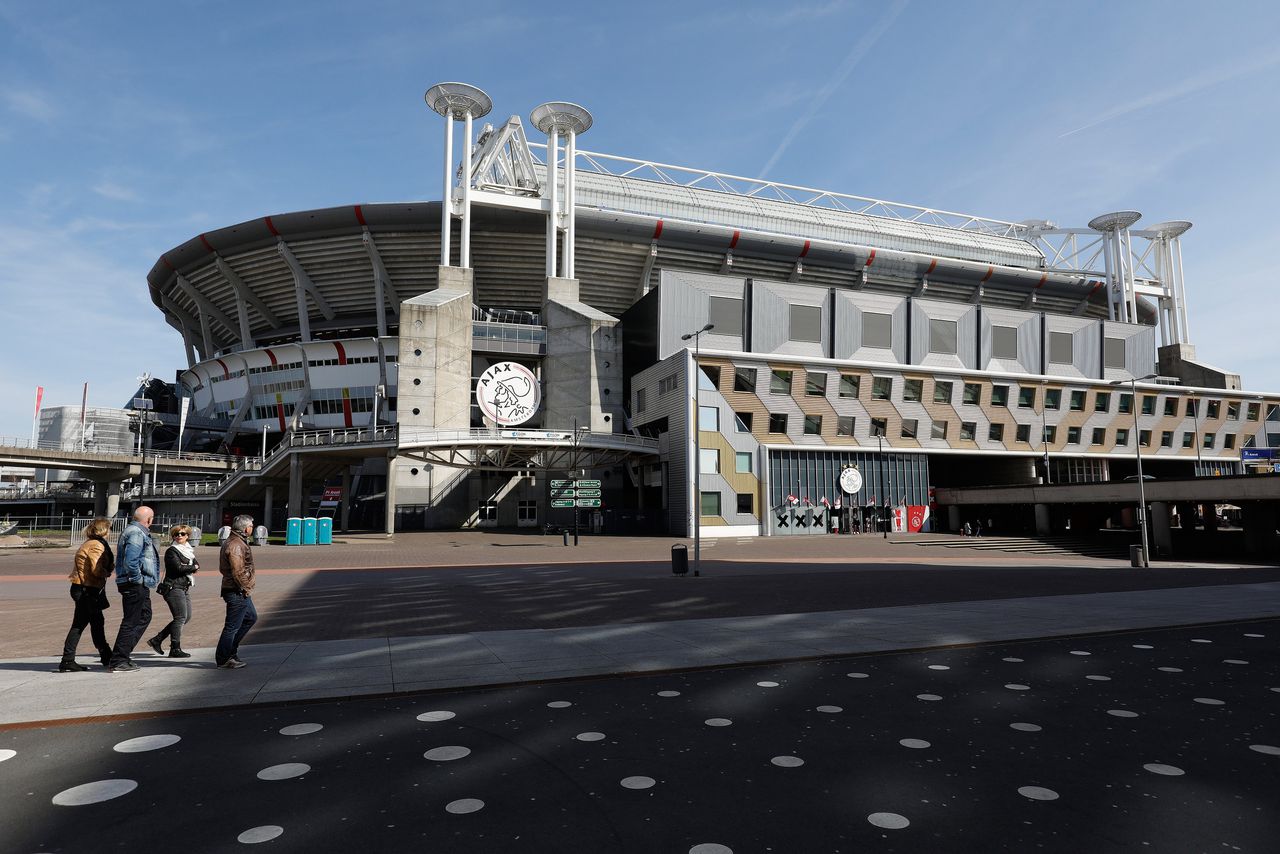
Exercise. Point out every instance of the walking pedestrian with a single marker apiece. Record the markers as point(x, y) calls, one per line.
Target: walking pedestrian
point(94, 564)
point(966, 530)
point(179, 565)
point(137, 572)
point(977, 527)
point(235, 563)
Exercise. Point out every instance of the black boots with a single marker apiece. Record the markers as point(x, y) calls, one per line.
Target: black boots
point(176, 652)
point(71, 667)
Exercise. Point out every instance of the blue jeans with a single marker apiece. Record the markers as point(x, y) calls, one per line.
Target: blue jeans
point(241, 615)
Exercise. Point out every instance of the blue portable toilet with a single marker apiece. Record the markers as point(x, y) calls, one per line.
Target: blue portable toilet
point(324, 530)
point(293, 531)
point(309, 531)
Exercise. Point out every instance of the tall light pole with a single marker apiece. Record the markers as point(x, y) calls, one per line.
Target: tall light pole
point(1044, 430)
point(1195, 420)
point(884, 482)
point(1137, 449)
point(697, 447)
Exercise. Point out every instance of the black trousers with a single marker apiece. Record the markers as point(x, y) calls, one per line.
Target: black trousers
point(179, 602)
point(135, 602)
point(87, 613)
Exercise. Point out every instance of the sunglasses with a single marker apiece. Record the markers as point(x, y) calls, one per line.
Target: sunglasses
point(181, 535)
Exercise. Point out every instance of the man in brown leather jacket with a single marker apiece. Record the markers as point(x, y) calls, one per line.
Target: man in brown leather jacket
point(235, 562)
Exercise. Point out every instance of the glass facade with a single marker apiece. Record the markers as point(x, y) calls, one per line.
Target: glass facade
point(901, 477)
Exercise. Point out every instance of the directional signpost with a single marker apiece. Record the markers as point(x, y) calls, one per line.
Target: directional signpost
point(575, 494)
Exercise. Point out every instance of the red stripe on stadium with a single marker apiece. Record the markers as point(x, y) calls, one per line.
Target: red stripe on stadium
point(990, 271)
point(226, 372)
point(342, 355)
point(932, 265)
point(346, 407)
point(734, 242)
point(657, 230)
point(870, 258)
point(207, 245)
point(272, 357)
point(805, 250)
point(1044, 277)
point(280, 412)
point(271, 227)
point(360, 216)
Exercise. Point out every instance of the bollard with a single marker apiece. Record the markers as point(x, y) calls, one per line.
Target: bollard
point(679, 559)
point(564, 533)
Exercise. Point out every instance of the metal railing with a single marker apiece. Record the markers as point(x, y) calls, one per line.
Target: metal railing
point(307, 439)
point(75, 448)
point(65, 531)
point(559, 438)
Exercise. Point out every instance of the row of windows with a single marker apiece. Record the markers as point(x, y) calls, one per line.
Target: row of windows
point(282, 366)
point(334, 407)
point(221, 378)
point(710, 502)
point(262, 413)
point(351, 360)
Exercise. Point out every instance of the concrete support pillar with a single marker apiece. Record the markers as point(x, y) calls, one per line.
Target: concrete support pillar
point(345, 507)
point(953, 518)
point(1161, 535)
point(391, 496)
point(1210, 516)
point(295, 486)
point(1186, 516)
point(106, 498)
point(1044, 526)
point(1260, 520)
point(268, 506)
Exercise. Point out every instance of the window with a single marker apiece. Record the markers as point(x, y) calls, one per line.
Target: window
point(1166, 439)
point(967, 430)
point(849, 385)
point(1113, 353)
point(710, 504)
point(1229, 441)
point(777, 422)
point(1188, 440)
point(746, 503)
point(1208, 440)
point(1023, 433)
point(1193, 407)
point(1250, 442)
point(1170, 406)
point(726, 314)
point(806, 323)
point(1004, 342)
point(666, 384)
point(942, 392)
point(972, 393)
point(1073, 435)
point(742, 422)
point(1053, 398)
point(780, 382)
point(1126, 404)
point(1099, 436)
point(1254, 411)
point(999, 395)
point(1027, 397)
point(1233, 410)
point(1102, 402)
point(1050, 433)
point(815, 385)
point(1060, 349)
point(942, 337)
point(487, 511)
point(709, 460)
point(1215, 409)
point(938, 430)
point(909, 426)
point(812, 425)
point(1122, 437)
point(709, 378)
point(881, 388)
point(1144, 438)
point(640, 400)
point(996, 432)
point(879, 427)
point(877, 330)
point(742, 462)
point(844, 425)
point(527, 514)
point(1148, 404)
point(1077, 401)
point(744, 379)
point(708, 418)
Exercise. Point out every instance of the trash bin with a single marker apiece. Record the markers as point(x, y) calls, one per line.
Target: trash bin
point(309, 531)
point(324, 530)
point(196, 534)
point(1136, 556)
point(260, 535)
point(679, 559)
point(224, 534)
point(293, 531)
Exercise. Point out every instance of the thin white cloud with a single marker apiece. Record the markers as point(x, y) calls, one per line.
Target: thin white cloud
point(115, 192)
point(29, 103)
point(860, 50)
point(1196, 83)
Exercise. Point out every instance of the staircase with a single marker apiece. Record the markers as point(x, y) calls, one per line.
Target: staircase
point(1063, 546)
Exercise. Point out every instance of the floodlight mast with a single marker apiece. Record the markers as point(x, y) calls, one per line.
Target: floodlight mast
point(554, 118)
point(1117, 260)
point(466, 102)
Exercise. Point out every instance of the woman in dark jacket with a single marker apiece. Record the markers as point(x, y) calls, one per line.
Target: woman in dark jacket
point(94, 564)
point(179, 565)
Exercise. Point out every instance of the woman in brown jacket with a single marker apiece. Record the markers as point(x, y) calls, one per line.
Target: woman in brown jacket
point(94, 564)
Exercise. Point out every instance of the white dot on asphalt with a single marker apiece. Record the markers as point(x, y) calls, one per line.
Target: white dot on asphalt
point(559, 704)
point(888, 820)
point(856, 675)
point(1277, 690)
point(1021, 727)
point(146, 742)
point(1012, 660)
point(7, 754)
point(787, 761)
point(589, 736)
point(1164, 770)
point(1234, 661)
point(1014, 686)
point(265, 833)
point(94, 793)
point(429, 717)
point(668, 693)
point(717, 722)
point(1121, 713)
point(462, 806)
point(1209, 701)
point(914, 743)
point(1143, 646)
point(1170, 669)
point(767, 684)
point(1096, 678)
point(638, 782)
point(301, 729)
point(1253, 635)
point(1080, 652)
point(710, 848)
point(1038, 793)
point(284, 772)
point(928, 697)
point(831, 710)
point(1201, 640)
point(447, 753)
point(1266, 748)
point(938, 667)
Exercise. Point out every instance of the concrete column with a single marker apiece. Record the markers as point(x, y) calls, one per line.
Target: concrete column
point(391, 496)
point(1210, 517)
point(1186, 516)
point(345, 511)
point(1260, 536)
point(1161, 535)
point(1044, 527)
point(268, 506)
point(106, 498)
point(295, 485)
point(953, 518)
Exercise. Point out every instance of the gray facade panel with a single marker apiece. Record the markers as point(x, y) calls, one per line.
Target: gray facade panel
point(849, 306)
point(771, 318)
point(684, 306)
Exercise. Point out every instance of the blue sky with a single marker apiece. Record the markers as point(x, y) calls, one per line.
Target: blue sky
point(128, 128)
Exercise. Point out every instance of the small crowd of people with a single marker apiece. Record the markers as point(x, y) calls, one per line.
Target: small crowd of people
point(975, 528)
point(135, 567)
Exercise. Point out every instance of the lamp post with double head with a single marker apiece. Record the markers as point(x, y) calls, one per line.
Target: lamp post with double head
point(1137, 449)
point(696, 335)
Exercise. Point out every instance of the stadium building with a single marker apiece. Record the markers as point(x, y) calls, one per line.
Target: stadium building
point(568, 315)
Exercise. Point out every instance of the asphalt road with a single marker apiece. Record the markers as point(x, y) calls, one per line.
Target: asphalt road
point(1162, 740)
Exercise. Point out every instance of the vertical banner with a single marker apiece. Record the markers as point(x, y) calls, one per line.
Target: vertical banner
point(183, 406)
point(35, 418)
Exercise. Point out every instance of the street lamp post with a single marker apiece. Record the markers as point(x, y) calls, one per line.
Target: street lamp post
point(697, 448)
point(1044, 430)
point(1137, 449)
point(884, 482)
point(1195, 421)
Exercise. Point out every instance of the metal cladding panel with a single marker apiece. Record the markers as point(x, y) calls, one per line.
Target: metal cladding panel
point(684, 306)
point(849, 306)
point(771, 318)
point(674, 406)
point(649, 198)
point(1030, 340)
point(1086, 346)
point(1139, 349)
point(966, 320)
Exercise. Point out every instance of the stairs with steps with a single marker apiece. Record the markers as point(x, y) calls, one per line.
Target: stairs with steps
point(1066, 546)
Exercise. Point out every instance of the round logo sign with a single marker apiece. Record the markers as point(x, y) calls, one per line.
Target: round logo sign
point(851, 480)
point(508, 393)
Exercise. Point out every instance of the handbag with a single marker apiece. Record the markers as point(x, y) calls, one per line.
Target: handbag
point(164, 588)
point(103, 602)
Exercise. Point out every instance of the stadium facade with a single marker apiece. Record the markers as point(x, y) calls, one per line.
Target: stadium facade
point(805, 332)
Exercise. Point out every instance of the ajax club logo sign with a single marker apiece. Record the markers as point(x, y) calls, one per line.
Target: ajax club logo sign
point(508, 393)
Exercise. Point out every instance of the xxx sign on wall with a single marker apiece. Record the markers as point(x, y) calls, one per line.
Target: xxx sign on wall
point(508, 393)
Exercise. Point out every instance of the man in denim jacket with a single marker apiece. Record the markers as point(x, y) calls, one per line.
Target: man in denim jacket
point(137, 571)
